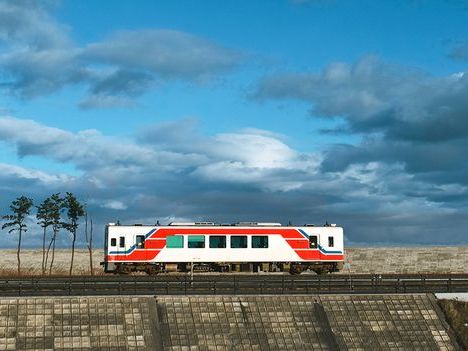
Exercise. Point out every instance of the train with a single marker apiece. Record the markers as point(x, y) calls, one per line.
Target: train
point(211, 247)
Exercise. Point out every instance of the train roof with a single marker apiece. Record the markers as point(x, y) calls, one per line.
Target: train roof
point(213, 224)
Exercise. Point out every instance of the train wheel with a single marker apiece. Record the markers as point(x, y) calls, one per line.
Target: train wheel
point(321, 271)
point(295, 270)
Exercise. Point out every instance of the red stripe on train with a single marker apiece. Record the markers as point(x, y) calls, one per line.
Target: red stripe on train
point(317, 255)
point(298, 244)
point(285, 233)
point(155, 244)
point(135, 255)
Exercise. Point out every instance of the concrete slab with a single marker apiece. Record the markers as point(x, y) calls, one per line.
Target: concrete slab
point(312, 322)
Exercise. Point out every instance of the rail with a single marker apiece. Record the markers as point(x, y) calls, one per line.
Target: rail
point(184, 284)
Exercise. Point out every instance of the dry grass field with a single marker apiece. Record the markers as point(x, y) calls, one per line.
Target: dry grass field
point(31, 261)
point(449, 259)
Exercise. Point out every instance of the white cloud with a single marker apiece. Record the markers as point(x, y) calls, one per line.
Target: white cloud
point(37, 57)
point(245, 175)
point(42, 178)
point(114, 205)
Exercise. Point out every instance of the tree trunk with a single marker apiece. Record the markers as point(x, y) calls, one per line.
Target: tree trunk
point(18, 252)
point(47, 253)
point(53, 253)
point(90, 248)
point(43, 252)
point(73, 251)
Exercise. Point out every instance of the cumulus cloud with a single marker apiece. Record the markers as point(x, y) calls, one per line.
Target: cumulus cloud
point(30, 21)
point(404, 116)
point(413, 130)
point(37, 57)
point(373, 96)
point(166, 53)
point(172, 171)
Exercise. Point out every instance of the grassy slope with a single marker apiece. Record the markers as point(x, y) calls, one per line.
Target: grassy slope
point(456, 313)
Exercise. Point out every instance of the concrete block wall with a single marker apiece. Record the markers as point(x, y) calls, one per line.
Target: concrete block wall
point(97, 323)
point(449, 259)
point(228, 323)
point(358, 322)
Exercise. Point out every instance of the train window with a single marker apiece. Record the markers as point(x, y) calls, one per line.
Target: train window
point(259, 242)
point(140, 241)
point(113, 242)
point(238, 241)
point(196, 241)
point(175, 241)
point(331, 241)
point(217, 242)
point(122, 241)
point(313, 242)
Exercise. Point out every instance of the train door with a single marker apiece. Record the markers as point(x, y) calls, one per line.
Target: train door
point(314, 244)
point(121, 250)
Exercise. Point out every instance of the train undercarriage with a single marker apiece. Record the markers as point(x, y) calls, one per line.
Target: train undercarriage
point(254, 267)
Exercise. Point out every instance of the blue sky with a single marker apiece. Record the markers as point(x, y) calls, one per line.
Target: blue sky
point(351, 112)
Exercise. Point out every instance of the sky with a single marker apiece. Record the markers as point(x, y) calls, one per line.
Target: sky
point(347, 112)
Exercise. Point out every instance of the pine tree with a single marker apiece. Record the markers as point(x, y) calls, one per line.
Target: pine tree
point(45, 220)
point(16, 221)
point(56, 207)
point(75, 210)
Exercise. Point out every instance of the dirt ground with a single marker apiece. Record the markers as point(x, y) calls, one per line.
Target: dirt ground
point(456, 313)
point(31, 262)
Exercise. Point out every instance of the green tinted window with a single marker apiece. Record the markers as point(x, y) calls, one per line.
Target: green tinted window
point(217, 241)
point(260, 242)
point(238, 242)
point(196, 241)
point(175, 242)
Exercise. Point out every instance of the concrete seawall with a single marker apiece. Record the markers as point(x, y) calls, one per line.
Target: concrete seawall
point(449, 259)
point(332, 322)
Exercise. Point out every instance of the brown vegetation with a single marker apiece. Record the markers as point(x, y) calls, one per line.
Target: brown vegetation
point(31, 262)
point(456, 313)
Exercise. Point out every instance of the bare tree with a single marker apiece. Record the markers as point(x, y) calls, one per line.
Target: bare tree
point(89, 241)
point(20, 209)
point(75, 210)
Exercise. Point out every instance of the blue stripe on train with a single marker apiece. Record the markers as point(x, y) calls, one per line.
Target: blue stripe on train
point(319, 246)
point(152, 231)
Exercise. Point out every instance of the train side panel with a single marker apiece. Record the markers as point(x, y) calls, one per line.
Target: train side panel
point(146, 244)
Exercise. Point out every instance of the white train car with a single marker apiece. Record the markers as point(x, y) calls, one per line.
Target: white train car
point(210, 247)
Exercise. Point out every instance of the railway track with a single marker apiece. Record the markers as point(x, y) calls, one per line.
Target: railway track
point(184, 284)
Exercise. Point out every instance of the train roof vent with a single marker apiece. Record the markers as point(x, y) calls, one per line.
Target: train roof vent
point(182, 223)
point(309, 225)
point(256, 224)
point(204, 223)
point(190, 223)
